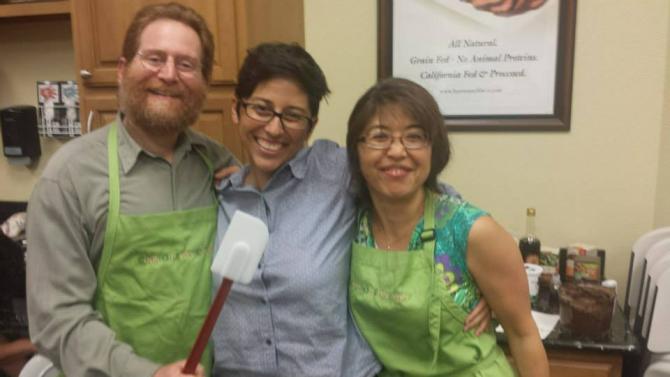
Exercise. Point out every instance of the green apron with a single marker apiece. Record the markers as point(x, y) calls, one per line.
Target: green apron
point(404, 311)
point(154, 283)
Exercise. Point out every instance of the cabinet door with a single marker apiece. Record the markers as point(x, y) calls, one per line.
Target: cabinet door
point(99, 27)
point(97, 109)
point(581, 368)
point(215, 122)
point(580, 363)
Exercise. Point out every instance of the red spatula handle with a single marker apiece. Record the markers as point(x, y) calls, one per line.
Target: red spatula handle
point(207, 327)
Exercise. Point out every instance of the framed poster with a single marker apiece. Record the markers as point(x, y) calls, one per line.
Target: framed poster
point(488, 69)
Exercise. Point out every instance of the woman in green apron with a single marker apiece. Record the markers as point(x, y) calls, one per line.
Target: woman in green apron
point(421, 260)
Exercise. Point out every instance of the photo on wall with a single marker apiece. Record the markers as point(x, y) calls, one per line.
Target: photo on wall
point(58, 104)
point(488, 69)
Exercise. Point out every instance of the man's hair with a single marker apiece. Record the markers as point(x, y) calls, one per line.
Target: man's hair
point(175, 12)
point(268, 61)
point(418, 104)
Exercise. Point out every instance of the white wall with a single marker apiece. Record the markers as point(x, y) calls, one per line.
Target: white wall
point(662, 217)
point(595, 184)
point(342, 37)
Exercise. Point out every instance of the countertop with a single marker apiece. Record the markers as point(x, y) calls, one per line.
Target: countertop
point(619, 339)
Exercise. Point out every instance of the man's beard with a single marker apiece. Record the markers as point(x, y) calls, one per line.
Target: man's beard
point(156, 116)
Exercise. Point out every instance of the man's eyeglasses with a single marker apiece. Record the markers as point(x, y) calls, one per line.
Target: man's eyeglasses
point(382, 138)
point(289, 119)
point(155, 60)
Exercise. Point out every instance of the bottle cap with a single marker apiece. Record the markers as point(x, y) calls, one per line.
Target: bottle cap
point(609, 283)
point(530, 211)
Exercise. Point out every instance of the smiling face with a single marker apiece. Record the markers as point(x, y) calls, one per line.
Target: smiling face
point(395, 173)
point(269, 144)
point(166, 99)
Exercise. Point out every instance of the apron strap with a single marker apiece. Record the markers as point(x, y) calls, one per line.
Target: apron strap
point(207, 162)
point(210, 168)
point(114, 199)
point(435, 306)
point(428, 233)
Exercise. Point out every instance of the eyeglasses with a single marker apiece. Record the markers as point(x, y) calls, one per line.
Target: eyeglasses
point(382, 138)
point(155, 60)
point(289, 119)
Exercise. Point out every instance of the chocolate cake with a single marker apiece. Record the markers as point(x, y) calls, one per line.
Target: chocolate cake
point(586, 309)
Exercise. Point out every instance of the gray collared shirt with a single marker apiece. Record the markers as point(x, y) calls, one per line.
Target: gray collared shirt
point(293, 319)
point(67, 214)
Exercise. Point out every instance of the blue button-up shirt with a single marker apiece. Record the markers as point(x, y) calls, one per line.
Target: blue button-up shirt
point(293, 319)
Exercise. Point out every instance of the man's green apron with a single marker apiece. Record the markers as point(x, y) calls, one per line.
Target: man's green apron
point(403, 308)
point(154, 283)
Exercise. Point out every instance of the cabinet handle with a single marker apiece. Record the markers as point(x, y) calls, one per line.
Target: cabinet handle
point(85, 74)
point(90, 121)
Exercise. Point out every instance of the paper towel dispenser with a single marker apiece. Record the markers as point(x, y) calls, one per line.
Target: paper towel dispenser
point(20, 139)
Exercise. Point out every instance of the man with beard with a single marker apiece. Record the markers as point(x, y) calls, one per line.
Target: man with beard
point(121, 223)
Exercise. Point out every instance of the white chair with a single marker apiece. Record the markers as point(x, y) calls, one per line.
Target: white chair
point(655, 254)
point(658, 340)
point(658, 369)
point(636, 270)
point(658, 268)
point(39, 366)
point(659, 366)
point(665, 357)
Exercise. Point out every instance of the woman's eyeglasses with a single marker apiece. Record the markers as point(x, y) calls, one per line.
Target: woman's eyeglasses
point(383, 138)
point(289, 118)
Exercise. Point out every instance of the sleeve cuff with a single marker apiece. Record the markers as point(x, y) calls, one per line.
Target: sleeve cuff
point(139, 367)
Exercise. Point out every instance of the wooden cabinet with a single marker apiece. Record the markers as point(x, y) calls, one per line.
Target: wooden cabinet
point(31, 9)
point(564, 363)
point(581, 363)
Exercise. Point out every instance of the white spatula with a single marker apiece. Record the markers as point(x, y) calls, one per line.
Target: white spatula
point(240, 252)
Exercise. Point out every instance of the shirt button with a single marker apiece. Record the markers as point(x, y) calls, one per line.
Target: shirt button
point(268, 342)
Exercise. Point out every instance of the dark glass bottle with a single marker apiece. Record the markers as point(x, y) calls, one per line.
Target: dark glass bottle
point(530, 244)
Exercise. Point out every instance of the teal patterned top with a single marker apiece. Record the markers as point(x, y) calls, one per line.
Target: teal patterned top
point(453, 219)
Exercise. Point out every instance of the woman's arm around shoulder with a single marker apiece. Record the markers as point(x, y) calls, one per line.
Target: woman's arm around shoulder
point(496, 265)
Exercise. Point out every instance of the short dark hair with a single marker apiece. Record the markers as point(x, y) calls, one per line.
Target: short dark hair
point(282, 60)
point(176, 12)
point(418, 104)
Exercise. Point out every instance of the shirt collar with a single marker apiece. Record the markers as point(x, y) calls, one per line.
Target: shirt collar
point(298, 164)
point(130, 150)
